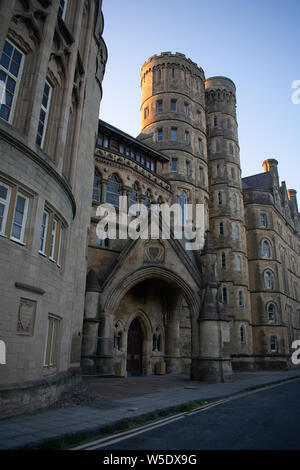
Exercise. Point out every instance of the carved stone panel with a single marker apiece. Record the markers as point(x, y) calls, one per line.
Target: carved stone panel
point(154, 252)
point(26, 317)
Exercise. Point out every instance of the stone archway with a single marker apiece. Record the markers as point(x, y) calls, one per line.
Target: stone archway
point(153, 295)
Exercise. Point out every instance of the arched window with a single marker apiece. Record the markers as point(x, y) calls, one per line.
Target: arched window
point(147, 200)
point(96, 187)
point(221, 228)
point(236, 232)
point(271, 312)
point(268, 278)
point(218, 170)
point(133, 198)
point(223, 260)
point(113, 191)
point(266, 251)
point(225, 296)
point(238, 263)
point(219, 198)
point(154, 343)
point(243, 334)
point(182, 202)
point(159, 345)
point(241, 299)
point(234, 201)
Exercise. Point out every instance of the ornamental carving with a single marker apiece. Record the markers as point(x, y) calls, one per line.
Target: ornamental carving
point(154, 252)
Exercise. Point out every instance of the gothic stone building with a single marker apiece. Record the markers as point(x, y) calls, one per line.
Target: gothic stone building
point(52, 60)
point(153, 307)
point(71, 300)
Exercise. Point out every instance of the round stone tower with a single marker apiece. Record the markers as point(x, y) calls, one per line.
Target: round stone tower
point(173, 121)
point(226, 212)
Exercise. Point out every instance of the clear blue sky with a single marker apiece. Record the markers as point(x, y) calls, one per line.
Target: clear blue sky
point(255, 43)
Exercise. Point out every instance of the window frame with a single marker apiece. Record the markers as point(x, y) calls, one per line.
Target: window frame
point(24, 219)
point(17, 80)
point(6, 204)
point(43, 250)
point(64, 9)
point(47, 112)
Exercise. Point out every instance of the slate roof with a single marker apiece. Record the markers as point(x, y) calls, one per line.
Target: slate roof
point(259, 181)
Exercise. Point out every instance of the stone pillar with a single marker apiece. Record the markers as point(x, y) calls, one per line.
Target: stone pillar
point(172, 351)
point(214, 361)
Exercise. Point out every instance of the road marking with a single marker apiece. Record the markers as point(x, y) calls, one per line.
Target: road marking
point(109, 440)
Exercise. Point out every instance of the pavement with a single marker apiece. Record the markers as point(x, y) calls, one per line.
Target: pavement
point(124, 398)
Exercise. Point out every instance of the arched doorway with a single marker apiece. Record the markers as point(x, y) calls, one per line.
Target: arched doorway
point(134, 349)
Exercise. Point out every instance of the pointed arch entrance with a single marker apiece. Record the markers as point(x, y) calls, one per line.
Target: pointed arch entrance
point(135, 348)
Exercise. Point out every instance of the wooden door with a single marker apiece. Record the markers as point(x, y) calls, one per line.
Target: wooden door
point(134, 348)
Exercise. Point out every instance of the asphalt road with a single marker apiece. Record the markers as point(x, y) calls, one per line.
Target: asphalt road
point(268, 419)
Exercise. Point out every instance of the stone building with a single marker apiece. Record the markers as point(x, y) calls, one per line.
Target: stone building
point(51, 68)
point(71, 299)
point(154, 307)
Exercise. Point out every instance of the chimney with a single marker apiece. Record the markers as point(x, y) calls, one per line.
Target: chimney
point(271, 165)
point(293, 200)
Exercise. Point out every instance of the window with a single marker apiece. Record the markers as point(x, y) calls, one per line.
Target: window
point(133, 198)
point(113, 191)
point(271, 312)
point(159, 106)
point(173, 74)
point(234, 201)
point(200, 146)
point(4, 204)
point(230, 148)
point(221, 228)
point(117, 341)
point(201, 175)
point(174, 133)
point(236, 232)
point(53, 240)
point(242, 335)
point(44, 229)
point(106, 142)
point(232, 173)
point(159, 135)
point(173, 105)
point(96, 187)
point(223, 260)
point(19, 219)
point(146, 113)
point(263, 220)
point(238, 263)
point(147, 200)
point(174, 164)
point(228, 124)
point(44, 114)
point(199, 120)
point(268, 279)
point(225, 297)
point(100, 140)
point(187, 137)
point(266, 252)
point(138, 157)
point(182, 202)
point(188, 168)
point(185, 108)
point(273, 343)
point(62, 9)
point(11, 64)
point(50, 352)
point(218, 170)
point(219, 198)
point(217, 146)
point(215, 121)
point(241, 299)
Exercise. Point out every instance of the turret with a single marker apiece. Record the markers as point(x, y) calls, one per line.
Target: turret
point(173, 121)
point(226, 210)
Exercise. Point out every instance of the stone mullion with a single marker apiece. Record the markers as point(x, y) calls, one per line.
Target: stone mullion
point(11, 209)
